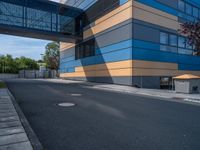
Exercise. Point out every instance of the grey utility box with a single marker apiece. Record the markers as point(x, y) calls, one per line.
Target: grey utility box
point(187, 84)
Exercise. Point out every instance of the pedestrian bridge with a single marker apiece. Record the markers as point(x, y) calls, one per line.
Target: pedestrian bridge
point(40, 19)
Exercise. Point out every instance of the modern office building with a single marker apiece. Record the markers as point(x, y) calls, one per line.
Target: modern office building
point(131, 42)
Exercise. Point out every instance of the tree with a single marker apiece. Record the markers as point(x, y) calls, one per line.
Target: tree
point(10, 65)
point(52, 55)
point(192, 31)
point(26, 63)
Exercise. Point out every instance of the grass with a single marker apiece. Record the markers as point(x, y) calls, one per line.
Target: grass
point(2, 85)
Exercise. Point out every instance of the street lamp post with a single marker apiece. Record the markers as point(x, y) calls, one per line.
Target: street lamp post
point(42, 56)
point(3, 66)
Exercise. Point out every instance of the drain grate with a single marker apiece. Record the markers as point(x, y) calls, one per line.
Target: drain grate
point(66, 104)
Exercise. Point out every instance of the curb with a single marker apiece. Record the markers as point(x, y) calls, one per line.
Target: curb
point(29, 131)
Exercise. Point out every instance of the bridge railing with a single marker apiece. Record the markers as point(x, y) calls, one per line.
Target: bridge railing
point(41, 15)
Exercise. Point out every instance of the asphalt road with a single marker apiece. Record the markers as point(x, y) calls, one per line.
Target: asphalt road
point(105, 120)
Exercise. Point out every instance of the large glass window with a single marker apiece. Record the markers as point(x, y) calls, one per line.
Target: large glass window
point(181, 5)
point(188, 46)
point(85, 49)
point(188, 9)
point(174, 44)
point(195, 12)
point(173, 40)
point(123, 2)
point(199, 13)
point(181, 42)
point(185, 51)
point(163, 38)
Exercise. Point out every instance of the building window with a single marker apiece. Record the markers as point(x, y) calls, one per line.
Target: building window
point(173, 40)
point(188, 46)
point(85, 49)
point(175, 44)
point(166, 82)
point(181, 42)
point(122, 2)
point(185, 51)
point(199, 13)
point(163, 38)
point(181, 5)
point(188, 9)
point(195, 12)
point(169, 42)
point(184, 47)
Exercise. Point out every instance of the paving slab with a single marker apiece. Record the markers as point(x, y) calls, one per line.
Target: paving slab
point(11, 130)
point(7, 111)
point(10, 124)
point(9, 119)
point(17, 146)
point(13, 138)
point(8, 114)
point(12, 133)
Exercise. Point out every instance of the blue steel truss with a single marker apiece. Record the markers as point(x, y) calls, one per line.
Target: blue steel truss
point(41, 19)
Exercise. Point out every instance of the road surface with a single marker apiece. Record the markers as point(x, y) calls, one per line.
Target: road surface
point(105, 120)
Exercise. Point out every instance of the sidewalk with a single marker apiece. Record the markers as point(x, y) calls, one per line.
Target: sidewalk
point(149, 92)
point(12, 133)
point(168, 94)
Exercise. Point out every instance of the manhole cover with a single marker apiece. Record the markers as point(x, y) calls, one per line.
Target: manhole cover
point(76, 94)
point(66, 104)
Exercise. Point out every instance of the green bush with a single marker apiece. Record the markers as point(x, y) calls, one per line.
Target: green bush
point(2, 85)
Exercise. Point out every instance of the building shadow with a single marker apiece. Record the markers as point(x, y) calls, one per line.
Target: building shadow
point(95, 67)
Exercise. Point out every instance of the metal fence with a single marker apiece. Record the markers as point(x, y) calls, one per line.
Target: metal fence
point(34, 74)
point(8, 76)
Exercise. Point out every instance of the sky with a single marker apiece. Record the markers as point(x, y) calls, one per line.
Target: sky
point(19, 46)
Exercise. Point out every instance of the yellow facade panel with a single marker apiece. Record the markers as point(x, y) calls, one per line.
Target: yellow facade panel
point(112, 21)
point(155, 16)
point(153, 72)
point(65, 46)
point(106, 66)
point(162, 72)
point(100, 73)
point(154, 65)
point(154, 10)
point(114, 72)
point(114, 12)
